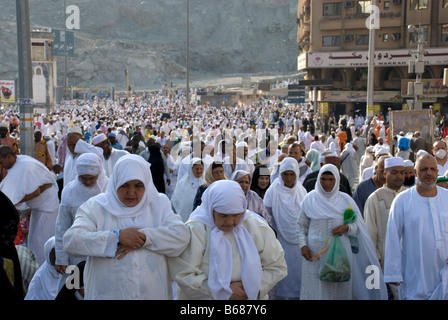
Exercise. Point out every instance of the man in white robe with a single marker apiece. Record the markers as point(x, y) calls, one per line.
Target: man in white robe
point(377, 207)
point(30, 183)
point(76, 146)
point(416, 254)
point(110, 155)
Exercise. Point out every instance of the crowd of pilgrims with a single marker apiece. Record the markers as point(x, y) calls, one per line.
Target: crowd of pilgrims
point(157, 199)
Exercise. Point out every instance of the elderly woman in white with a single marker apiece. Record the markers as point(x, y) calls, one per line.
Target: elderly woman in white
point(232, 253)
point(321, 218)
point(283, 199)
point(183, 197)
point(254, 201)
point(127, 233)
point(91, 180)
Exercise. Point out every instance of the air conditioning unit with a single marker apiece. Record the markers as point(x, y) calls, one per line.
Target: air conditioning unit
point(396, 1)
point(396, 36)
point(348, 38)
point(349, 4)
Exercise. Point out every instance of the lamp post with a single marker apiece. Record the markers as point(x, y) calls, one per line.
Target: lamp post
point(26, 105)
point(371, 65)
point(417, 67)
point(188, 54)
point(127, 84)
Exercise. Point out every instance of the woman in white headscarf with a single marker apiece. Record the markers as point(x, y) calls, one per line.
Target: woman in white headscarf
point(44, 284)
point(350, 164)
point(186, 189)
point(283, 199)
point(322, 217)
point(367, 160)
point(232, 254)
point(254, 201)
point(90, 181)
point(127, 233)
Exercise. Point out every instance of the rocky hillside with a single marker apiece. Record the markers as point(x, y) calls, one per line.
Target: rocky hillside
point(148, 37)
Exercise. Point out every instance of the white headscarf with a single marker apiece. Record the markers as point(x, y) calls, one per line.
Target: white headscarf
point(75, 193)
point(186, 188)
point(285, 202)
point(153, 206)
point(44, 284)
point(227, 197)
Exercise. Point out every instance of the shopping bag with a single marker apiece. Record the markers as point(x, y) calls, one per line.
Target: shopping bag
point(336, 266)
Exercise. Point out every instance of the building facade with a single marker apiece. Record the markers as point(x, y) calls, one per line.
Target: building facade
point(333, 39)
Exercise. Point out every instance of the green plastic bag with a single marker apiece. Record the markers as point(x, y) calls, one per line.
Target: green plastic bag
point(335, 267)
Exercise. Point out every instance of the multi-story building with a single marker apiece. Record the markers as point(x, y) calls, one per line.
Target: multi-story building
point(333, 39)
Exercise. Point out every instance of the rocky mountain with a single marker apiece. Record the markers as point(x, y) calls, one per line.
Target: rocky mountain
point(148, 38)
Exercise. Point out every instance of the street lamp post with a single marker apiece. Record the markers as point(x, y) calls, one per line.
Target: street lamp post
point(417, 67)
point(26, 107)
point(127, 84)
point(371, 64)
point(188, 54)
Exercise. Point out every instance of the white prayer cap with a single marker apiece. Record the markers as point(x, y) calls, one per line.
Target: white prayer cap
point(421, 152)
point(98, 139)
point(4, 125)
point(393, 162)
point(74, 130)
point(241, 144)
point(408, 163)
point(381, 151)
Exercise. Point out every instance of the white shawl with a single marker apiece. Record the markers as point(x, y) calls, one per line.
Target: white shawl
point(75, 193)
point(286, 202)
point(227, 197)
point(319, 204)
point(186, 188)
point(153, 206)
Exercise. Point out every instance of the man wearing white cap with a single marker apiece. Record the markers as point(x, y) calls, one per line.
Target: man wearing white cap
point(110, 155)
point(377, 206)
point(416, 239)
point(75, 147)
point(369, 172)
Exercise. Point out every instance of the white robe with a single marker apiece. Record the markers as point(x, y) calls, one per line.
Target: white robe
point(213, 259)
point(142, 273)
point(417, 245)
point(108, 164)
point(285, 205)
point(25, 177)
point(44, 284)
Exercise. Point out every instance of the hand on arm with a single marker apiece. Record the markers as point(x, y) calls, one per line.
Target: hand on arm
point(130, 239)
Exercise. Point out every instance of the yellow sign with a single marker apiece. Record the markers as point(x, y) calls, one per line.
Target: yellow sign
point(324, 107)
point(7, 91)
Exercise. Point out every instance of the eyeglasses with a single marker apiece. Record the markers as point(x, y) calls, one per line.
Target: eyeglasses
point(85, 180)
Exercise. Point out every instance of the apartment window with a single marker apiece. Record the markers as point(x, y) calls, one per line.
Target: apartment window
point(385, 37)
point(386, 5)
point(445, 4)
point(444, 32)
point(362, 6)
point(332, 9)
point(328, 41)
point(419, 4)
point(413, 37)
point(362, 39)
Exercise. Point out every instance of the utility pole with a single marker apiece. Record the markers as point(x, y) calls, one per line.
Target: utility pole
point(371, 65)
point(188, 54)
point(25, 83)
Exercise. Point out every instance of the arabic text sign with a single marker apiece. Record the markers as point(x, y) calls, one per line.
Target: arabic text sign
point(383, 58)
point(62, 39)
point(431, 87)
